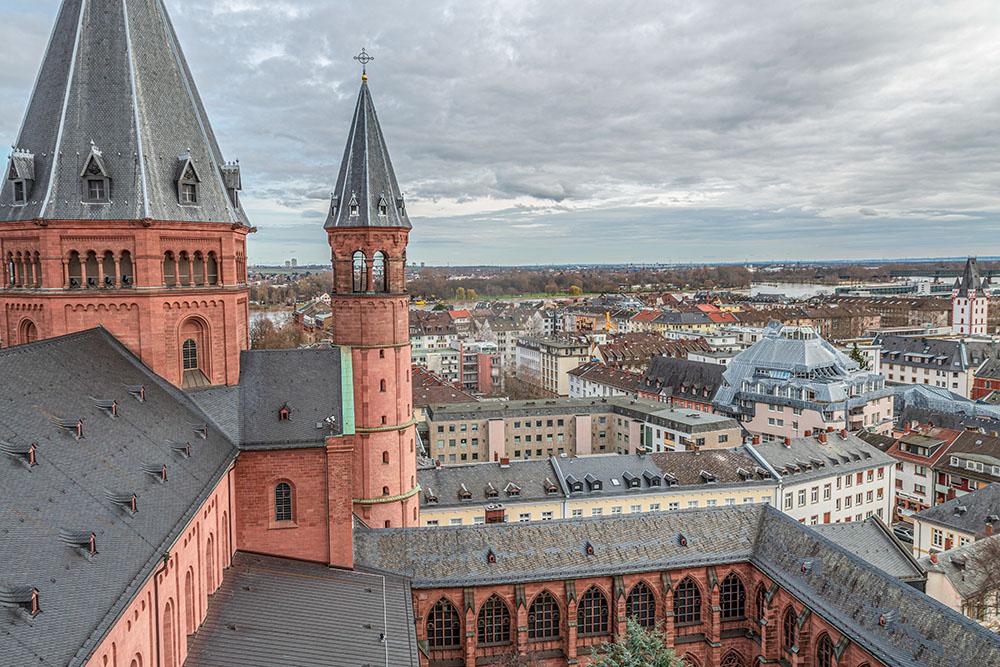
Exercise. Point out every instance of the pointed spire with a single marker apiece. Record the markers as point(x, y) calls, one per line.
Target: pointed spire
point(367, 194)
point(114, 77)
point(970, 279)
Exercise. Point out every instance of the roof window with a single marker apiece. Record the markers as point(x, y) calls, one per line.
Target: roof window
point(188, 181)
point(22, 176)
point(138, 391)
point(353, 206)
point(182, 448)
point(201, 430)
point(96, 178)
point(431, 496)
point(85, 541)
point(20, 597)
point(108, 406)
point(124, 500)
point(383, 209)
point(23, 453)
point(159, 471)
point(73, 427)
point(464, 493)
point(284, 413)
point(513, 490)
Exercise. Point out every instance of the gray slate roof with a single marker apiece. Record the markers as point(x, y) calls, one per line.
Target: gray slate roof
point(808, 458)
point(682, 378)
point(81, 597)
point(961, 568)
point(277, 611)
point(306, 381)
point(366, 176)
point(971, 279)
point(968, 513)
point(954, 355)
point(531, 478)
point(130, 92)
point(871, 541)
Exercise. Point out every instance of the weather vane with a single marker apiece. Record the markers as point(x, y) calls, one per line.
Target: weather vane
point(364, 59)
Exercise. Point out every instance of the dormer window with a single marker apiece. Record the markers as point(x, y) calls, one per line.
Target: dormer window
point(20, 196)
point(21, 175)
point(97, 180)
point(353, 207)
point(284, 414)
point(188, 181)
point(383, 210)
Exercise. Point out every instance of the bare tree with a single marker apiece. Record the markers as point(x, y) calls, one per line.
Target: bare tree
point(982, 570)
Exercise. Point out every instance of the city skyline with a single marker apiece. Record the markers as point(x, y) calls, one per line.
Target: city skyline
point(672, 133)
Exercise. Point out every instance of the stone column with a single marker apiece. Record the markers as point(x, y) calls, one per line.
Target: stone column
point(571, 658)
point(100, 271)
point(118, 269)
point(65, 272)
point(521, 621)
point(369, 279)
point(715, 631)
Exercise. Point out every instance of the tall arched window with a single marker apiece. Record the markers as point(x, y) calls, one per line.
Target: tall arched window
point(91, 268)
point(733, 659)
point(826, 654)
point(283, 502)
point(38, 269)
point(190, 354)
point(381, 385)
point(212, 269)
point(27, 332)
point(493, 622)
point(690, 661)
point(378, 272)
point(788, 626)
point(360, 272)
point(125, 268)
point(687, 602)
point(641, 605)
point(592, 614)
point(183, 268)
point(75, 269)
point(385, 458)
point(543, 617)
point(733, 598)
point(168, 634)
point(189, 611)
point(443, 626)
point(169, 269)
point(760, 602)
point(108, 269)
point(209, 566)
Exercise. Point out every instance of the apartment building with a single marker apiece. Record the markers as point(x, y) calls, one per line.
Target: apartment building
point(957, 522)
point(597, 379)
point(548, 361)
point(432, 330)
point(947, 363)
point(917, 453)
point(792, 381)
point(443, 361)
point(681, 383)
point(590, 486)
point(830, 477)
point(970, 463)
point(492, 430)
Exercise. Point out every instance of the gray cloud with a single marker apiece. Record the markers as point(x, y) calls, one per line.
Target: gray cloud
point(590, 131)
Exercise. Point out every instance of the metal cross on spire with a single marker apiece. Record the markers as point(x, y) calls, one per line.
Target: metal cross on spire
point(364, 59)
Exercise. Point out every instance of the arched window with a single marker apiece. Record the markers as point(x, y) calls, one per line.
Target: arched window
point(687, 602)
point(543, 617)
point(826, 655)
point(199, 269)
point(493, 622)
point(27, 332)
point(381, 385)
point(108, 269)
point(125, 268)
point(378, 272)
point(189, 612)
point(641, 605)
point(209, 566)
point(225, 540)
point(592, 613)
point(788, 627)
point(184, 268)
point(385, 458)
point(169, 269)
point(136, 661)
point(75, 269)
point(190, 354)
point(212, 269)
point(91, 267)
point(360, 272)
point(690, 660)
point(385, 490)
point(283, 502)
point(443, 626)
point(733, 598)
point(733, 659)
point(168, 634)
point(760, 603)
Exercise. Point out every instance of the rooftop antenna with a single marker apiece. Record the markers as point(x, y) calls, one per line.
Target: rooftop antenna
point(364, 59)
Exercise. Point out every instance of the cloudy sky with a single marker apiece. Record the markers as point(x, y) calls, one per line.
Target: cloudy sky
point(579, 131)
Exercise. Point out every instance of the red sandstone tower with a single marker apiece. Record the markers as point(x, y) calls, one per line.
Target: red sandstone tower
point(117, 208)
point(368, 227)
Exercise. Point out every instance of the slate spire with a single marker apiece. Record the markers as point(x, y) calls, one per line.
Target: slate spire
point(971, 279)
point(114, 83)
point(367, 194)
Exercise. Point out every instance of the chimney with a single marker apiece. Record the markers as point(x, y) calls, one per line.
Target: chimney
point(437, 464)
point(504, 462)
point(930, 424)
point(989, 529)
point(843, 433)
point(788, 442)
point(822, 437)
point(494, 514)
point(756, 440)
point(906, 427)
point(829, 429)
point(934, 558)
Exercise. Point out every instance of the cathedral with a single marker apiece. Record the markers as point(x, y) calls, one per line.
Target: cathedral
point(171, 497)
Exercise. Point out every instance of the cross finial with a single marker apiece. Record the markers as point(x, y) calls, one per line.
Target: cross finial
point(364, 59)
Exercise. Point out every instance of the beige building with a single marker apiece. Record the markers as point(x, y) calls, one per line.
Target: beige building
point(589, 486)
point(491, 430)
point(548, 361)
point(964, 578)
point(957, 522)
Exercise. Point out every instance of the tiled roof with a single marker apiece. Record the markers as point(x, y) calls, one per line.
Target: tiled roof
point(871, 541)
point(595, 371)
point(804, 459)
point(367, 194)
point(121, 95)
point(877, 440)
point(678, 377)
point(443, 486)
point(933, 353)
point(969, 513)
point(960, 566)
point(277, 611)
point(429, 387)
point(990, 370)
point(62, 380)
point(274, 379)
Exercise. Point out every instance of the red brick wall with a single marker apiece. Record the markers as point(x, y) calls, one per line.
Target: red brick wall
point(201, 554)
point(706, 642)
point(146, 320)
